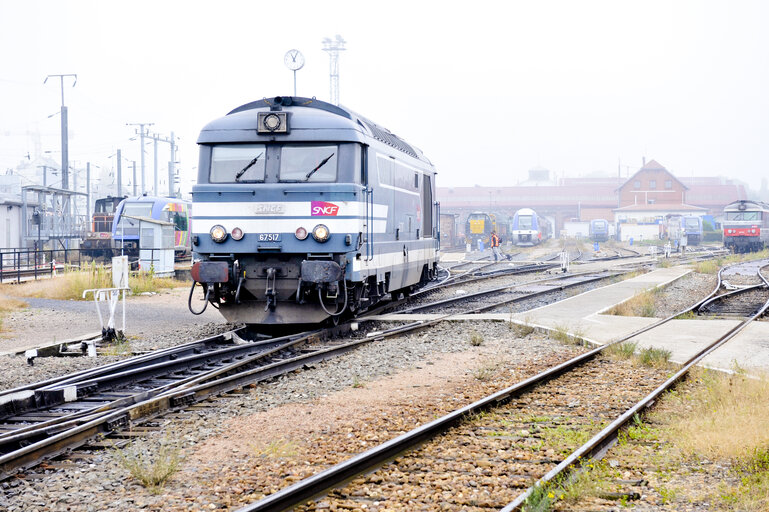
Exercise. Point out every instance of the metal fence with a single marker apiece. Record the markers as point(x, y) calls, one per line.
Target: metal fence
point(17, 265)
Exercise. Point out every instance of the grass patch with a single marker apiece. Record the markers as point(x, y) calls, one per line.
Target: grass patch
point(476, 339)
point(278, 449)
point(641, 304)
point(563, 439)
point(521, 330)
point(151, 464)
point(624, 350)
point(8, 305)
point(564, 335)
point(486, 370)
point(724, 419)
point(689, 315)
point(357, 383)
point(120, 347)
point(654, 357)
point(707, 267)
point(70, 285)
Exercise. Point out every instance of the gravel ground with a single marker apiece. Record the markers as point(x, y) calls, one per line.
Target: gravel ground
point(683, 293)
point(97, 482)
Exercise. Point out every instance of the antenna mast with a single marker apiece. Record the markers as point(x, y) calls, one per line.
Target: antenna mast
point(333, 47)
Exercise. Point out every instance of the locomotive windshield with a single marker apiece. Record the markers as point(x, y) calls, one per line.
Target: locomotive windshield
point(247, 163)
point(237, 162)
point(308, 163)
point(131, 210)
point(692, 223)
point(743, 215)
point(524, 222)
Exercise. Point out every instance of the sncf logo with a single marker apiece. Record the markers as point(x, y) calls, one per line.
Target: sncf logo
point(323, 208)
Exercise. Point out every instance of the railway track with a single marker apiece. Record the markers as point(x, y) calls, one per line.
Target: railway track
point(42, 420)
point(545, 473)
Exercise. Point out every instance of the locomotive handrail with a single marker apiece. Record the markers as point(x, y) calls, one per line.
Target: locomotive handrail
point(369, 223)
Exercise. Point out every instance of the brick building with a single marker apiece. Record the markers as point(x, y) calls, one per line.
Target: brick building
point(595, 198)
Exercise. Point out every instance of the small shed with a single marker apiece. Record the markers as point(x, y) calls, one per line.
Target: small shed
point(156, 246)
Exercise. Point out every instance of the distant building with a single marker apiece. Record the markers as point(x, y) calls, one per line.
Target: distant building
point(10, 222)
point(652, 191)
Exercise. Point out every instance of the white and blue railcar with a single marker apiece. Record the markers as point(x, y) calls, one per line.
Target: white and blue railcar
point(692, 225)
point(528, 228)
point(305, 211)
point(599, 230)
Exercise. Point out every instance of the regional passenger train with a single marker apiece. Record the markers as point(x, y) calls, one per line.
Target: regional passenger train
point(305, 211)
point(746, 226)
point(528, 228)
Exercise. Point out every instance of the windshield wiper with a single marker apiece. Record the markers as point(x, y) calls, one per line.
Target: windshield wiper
point(321, 164)
point(247, 167)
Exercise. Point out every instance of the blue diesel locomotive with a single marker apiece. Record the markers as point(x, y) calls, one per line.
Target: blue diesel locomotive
point(305, 211)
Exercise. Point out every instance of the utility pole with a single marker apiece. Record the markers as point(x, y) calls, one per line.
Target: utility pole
point(45, 174)
point(119, 173)
point(155, 181)
point(64, 136)
point(172, 141)
point(171, 165)
point(88, 191)
point(134, 166)
point(142, 134)
point(333, 48)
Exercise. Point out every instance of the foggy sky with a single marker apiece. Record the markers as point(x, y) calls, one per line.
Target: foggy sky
point(487, 90)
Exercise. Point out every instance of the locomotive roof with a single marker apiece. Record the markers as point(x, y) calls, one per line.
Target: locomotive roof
point(311, 120)
point(755, 205)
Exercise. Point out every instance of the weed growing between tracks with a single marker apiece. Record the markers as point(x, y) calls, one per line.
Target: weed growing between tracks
point(278, 449)
point(152, 464)
point(704, 448)
point(563, 334)
point(641, 304)
point(476, 339)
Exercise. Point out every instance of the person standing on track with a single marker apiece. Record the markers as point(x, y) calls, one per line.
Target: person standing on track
point(495, 240)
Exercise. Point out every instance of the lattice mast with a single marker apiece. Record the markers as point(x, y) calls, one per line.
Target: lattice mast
point(333, 47)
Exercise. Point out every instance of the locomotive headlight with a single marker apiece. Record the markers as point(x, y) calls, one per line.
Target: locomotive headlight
point(237, 234)
point(300, 233)
point(320, 233)
point(218, 233)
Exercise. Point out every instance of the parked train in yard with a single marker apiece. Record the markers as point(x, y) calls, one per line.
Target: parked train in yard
point(125, 226)
point(746, 226)
point(599, 230)
point(528, 228)
point(305, 211)
point(478, 228)
point(98, 241)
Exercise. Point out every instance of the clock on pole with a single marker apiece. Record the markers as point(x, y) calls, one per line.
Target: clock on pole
point(294, 60)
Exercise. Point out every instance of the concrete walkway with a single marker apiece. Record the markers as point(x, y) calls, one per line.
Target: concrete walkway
point(582, 315)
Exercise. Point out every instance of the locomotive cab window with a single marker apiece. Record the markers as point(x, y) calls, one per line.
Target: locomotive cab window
point(743, 215)
point(308, 163)
point(240, 163)
point(524, 222)
point(133, 210)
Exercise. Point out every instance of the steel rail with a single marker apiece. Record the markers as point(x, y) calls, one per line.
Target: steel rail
point(365, 462)
point(103, 369)
point(56, 424)
point(512, 287)
point(602, 441)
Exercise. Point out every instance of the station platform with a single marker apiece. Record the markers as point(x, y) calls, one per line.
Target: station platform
point(582, 315)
